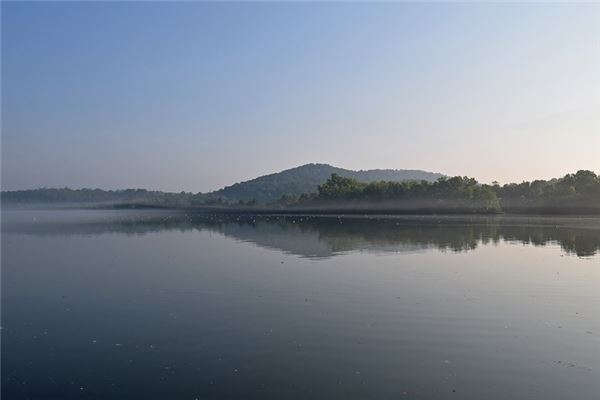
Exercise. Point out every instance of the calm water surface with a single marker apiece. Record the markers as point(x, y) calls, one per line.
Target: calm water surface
point(156, 305)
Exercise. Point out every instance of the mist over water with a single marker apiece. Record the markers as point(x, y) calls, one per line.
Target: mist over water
point(157, 304)
point(326, 235)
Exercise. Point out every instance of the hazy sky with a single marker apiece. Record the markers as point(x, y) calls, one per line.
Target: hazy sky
point(189, 96)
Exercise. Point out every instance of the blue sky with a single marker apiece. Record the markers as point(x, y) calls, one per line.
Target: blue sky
point(195, 96)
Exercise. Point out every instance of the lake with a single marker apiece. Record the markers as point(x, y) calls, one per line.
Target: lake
point(174, 305)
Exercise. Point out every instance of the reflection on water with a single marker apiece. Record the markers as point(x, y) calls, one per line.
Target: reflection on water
point(325, 236)
point(160, 305)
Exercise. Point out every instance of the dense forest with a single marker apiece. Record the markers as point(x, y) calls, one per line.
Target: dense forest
point(577, 193)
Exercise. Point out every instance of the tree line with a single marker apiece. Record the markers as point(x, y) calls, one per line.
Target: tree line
point(579, 192)
point(573, 193)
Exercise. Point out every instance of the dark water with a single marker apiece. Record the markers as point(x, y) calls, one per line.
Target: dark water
point(154, 305)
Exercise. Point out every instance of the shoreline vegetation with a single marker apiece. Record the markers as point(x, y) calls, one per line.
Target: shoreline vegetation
point(577, 194)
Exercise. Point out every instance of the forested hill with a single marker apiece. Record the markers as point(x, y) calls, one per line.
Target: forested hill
point(261, 190)
point(307, 178)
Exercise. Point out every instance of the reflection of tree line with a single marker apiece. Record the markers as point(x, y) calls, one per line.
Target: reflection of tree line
point(346, 234)
point(351, 234)
point(326, 236)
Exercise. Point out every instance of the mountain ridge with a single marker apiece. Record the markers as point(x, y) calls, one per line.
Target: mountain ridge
point(306, 178)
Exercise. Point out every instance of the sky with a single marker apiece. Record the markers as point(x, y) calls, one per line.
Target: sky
point(195, 96)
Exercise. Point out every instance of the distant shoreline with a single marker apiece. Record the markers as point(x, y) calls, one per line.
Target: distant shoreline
point(284, 193)
point(372, 210)
point(533, 211)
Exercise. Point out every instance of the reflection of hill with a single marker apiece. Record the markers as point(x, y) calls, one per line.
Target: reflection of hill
point(324, 236)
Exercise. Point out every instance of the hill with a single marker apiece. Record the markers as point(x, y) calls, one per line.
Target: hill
point(306, 179)
point(264, 189)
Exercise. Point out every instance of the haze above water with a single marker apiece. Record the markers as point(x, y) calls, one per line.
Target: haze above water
point(155, 305)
